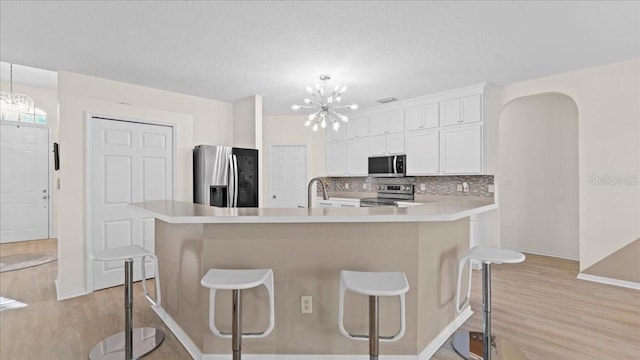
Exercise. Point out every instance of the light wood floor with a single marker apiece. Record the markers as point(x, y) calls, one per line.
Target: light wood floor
point(539, 305)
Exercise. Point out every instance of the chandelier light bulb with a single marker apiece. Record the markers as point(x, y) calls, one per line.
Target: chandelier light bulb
point(336, 126)
point(312, 116)
point(309, 89)
point(353, 107)
point(308, 101)
point(315, 127)
point(338, 99)
point(323, 124)
point(344, 89)
point(295, 107)
point(329, 99)
point(335, 89)
point(307, 123)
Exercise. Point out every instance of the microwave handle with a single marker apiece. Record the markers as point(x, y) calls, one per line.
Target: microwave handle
point(395, 167)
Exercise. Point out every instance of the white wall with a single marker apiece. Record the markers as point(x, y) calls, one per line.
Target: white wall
point(197, 121)
point(290, 130)
point(608, 101)
point(539, 175)
point(47, 100)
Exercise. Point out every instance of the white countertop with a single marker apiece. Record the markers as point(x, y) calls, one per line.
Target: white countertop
point(450, 209)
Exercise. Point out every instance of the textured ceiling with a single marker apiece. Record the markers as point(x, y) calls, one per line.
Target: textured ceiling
point(231, 50)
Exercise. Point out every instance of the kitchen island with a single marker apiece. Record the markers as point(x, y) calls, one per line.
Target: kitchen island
point(307, 248)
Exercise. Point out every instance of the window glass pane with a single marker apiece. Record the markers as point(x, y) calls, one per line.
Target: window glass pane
point(9, 115)
point(28, 118)
point(41, 119)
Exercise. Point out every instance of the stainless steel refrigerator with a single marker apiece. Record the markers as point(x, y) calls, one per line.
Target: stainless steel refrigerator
point(225, 176)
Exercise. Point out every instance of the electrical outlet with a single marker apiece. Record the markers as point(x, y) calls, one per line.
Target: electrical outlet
point(423, 187)
point(492, 188)
point(459, 187)
point(306, 304)
point(346, 186)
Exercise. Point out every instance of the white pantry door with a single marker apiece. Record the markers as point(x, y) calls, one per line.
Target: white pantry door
point(130, 162)
point(24, 183)
point(288, 180)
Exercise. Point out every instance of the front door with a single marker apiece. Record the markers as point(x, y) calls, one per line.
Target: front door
point(130, 162)
point(24, 183)
point(288, 180)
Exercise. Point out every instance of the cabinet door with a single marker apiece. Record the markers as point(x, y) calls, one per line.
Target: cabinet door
point(414, 118)
point(363, 126)
point(378, 145)
point(461, 151)
point(423, 152)
point(431, 116)
point(358, 157)
point(336, 158)
point(450, 112)
point(395, 144)
point(325, 203)
point(471, 109)
point(379, 124)
point(395, 122)
point(339, 135)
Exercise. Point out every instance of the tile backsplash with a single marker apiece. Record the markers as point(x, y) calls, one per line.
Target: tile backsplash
point(434, 185)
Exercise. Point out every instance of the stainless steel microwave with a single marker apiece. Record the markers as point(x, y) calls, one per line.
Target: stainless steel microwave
point(388, 166)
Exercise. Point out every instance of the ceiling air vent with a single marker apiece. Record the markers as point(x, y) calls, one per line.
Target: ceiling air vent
point(387, 100)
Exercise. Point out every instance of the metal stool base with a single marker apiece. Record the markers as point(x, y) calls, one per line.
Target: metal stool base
point(468, 344)
point(145, 340)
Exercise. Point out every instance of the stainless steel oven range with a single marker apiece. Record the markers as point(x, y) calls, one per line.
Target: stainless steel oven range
point(389, 195)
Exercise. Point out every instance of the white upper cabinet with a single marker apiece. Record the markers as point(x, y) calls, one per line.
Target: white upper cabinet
point(422, 117)
point(358, 127)
point(423, 152)
point(336, 158)
point(441, 134)
point(358, 152)
point(390, 122)
point(461, 150)
point(387, 144)
point(333, 135)
point(460, 111)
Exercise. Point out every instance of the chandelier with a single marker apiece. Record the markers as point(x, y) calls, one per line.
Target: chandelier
point(15, 104)
point(324, 105)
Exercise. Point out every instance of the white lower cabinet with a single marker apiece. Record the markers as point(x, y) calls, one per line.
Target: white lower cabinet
point(352, 203)
point(358, 157)
point(461, 150)
point(423, 152)
point(336, 158)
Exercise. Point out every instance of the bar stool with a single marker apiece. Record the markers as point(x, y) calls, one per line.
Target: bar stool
point(237, 280)
point(374, 285)
point(473, 344)
point(130, 343)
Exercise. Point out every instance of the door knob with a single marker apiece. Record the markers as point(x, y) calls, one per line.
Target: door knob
point(274, 196)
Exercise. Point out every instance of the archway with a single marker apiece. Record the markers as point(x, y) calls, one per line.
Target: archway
point(538, 178)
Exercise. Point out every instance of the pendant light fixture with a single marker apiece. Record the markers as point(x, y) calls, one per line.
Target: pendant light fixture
point(324, 106)
point(15, 104)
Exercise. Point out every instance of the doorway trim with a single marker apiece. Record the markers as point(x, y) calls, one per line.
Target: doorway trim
point(89, 179)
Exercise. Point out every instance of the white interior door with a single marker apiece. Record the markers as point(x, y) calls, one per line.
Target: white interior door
point(130, 162)
point(24, 183)
point(288, 181)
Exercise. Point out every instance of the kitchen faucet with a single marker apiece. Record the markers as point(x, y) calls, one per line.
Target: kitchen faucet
point(325, 196)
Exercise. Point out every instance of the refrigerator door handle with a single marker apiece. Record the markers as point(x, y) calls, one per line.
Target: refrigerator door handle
point(230, 190)
point(235, 181)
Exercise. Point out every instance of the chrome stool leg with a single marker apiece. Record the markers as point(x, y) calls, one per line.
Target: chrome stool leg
point(474, 345)
point(374, 327)
point(129, 344)
point(236, 325)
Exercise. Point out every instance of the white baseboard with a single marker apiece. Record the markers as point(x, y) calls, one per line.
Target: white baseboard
point(196, 354)
point(68, 295)
point(437, 343)
point(609, 281)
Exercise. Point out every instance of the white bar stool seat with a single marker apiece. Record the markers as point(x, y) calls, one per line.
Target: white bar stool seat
point(129, 252)
point(237, 280)
point(482, 345)
point(374, 285)
point(130, 343)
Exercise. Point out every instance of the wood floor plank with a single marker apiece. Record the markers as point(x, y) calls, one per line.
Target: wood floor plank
point(539, 305)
